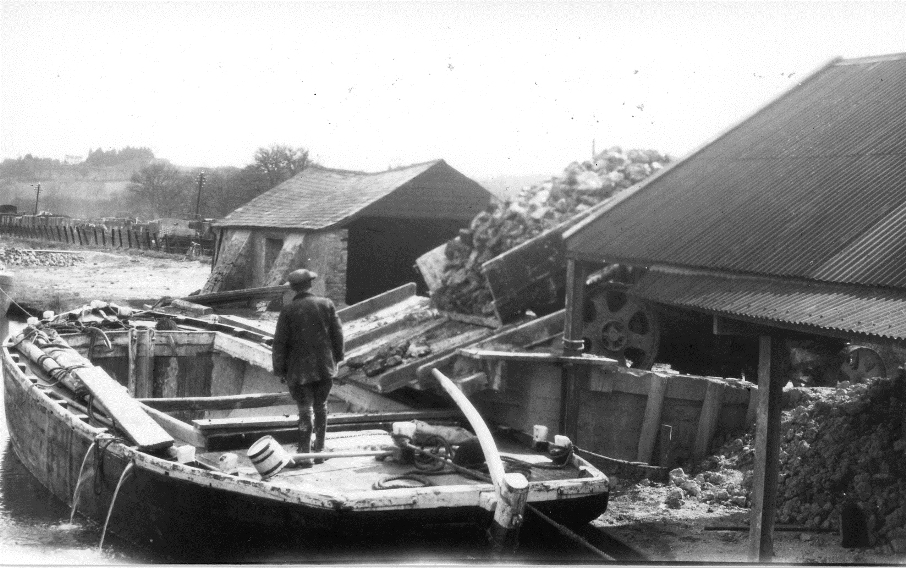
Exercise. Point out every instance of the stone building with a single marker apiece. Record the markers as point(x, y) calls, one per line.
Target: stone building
point(360, 231)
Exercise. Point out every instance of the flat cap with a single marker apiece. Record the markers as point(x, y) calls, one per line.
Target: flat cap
point(301, 276)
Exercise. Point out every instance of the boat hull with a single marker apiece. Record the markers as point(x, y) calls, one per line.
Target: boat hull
point(184, 511)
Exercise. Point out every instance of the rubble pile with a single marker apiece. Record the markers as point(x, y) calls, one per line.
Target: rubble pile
point(388, 356)
point(26, 257)
point(720, 487)
point(839, 446)
point(536, 209)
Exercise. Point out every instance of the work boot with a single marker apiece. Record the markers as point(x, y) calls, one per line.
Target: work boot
point(304, 446)
point(320, 433)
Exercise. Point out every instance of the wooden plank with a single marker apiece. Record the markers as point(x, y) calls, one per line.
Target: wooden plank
point(533, 357)
point(125, 410)
point(399, 377)
point(431, 265)
point(250, 352)
point(234, 296)
point(290, 420)
point(654, 407)
point(491, 322)
point(176, 428)
point(377, 303)
point(767, 450)
point(191, 307)
point(707, 422)
point(226, 402)
point(363, 400)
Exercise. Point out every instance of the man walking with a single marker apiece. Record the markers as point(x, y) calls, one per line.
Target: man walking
point(308, 344)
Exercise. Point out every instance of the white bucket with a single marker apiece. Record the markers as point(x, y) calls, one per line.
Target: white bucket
point(268, 457)
point(540, 433)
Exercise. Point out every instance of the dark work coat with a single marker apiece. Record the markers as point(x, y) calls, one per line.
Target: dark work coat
point(308, 342)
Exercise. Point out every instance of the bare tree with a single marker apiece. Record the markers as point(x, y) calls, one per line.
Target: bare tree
point(161, 190)
point(279, 162)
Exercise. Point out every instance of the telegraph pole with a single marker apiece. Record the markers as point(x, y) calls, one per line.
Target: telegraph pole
point(37, 196)
point(198, 199)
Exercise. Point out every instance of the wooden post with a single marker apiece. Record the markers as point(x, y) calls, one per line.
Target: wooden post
point(131, 358)
point(767, 449)
point(128, 236)
point(144, 363)
point(707, 421)
point(104, 238)
point(650, 424)
point(573, 344)
point(511, 488)
point(575, 303)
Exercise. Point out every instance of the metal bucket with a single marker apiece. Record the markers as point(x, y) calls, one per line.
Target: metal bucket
point(268, 457)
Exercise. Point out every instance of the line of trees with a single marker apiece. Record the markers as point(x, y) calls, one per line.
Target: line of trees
point(163, 190)
point(155, 189)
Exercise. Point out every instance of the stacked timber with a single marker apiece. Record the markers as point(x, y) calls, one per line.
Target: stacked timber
point(536, 209)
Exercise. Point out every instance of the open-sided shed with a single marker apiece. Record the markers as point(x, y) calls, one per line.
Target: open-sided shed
point(792, 220)
point(360, 231)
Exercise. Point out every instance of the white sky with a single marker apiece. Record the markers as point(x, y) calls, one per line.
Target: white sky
point(493, 88)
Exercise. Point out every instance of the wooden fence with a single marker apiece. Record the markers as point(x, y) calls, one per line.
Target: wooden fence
point(112, 238)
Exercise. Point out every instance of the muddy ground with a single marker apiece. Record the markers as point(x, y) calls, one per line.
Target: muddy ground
point(637, 516)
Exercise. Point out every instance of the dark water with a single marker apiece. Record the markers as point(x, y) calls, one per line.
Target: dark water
point(35, 529)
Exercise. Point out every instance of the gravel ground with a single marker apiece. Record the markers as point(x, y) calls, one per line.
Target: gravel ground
point(131, 277)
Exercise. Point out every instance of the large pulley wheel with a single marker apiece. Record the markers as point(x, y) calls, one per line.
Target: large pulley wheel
point(619, 326)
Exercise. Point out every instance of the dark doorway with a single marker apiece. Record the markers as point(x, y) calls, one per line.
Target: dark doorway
point(381, 252)
point(272, 248)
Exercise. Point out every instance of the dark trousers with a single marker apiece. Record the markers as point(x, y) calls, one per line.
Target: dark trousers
point(311, 398)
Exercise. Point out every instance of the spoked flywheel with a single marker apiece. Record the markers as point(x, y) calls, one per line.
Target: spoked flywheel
point(619, 326)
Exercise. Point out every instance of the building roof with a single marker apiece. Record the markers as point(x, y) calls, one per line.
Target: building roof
point(319, 198)
point(812, 186)
point(802, 305)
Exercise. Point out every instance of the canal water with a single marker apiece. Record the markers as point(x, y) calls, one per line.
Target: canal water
point(35, 529)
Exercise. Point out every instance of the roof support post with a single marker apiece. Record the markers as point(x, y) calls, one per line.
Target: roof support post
point(575, 302)
point(573, 344)
point(771, 359)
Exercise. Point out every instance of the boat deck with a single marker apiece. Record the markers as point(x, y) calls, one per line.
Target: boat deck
point(366, 472)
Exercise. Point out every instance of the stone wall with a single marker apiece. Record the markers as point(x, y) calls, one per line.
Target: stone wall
point(245, 261)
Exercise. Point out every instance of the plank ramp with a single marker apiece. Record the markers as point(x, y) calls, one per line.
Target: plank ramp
point(126, 411)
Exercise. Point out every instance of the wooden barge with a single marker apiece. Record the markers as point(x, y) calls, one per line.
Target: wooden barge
point(202, 400)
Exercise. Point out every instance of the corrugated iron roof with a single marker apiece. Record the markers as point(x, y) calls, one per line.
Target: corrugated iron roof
point(318, 198)
point(812, 186)
point(844, 308)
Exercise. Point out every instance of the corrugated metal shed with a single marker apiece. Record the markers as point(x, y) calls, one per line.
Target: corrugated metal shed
point(319, 198)
point(813, 186)
point(843, 308)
